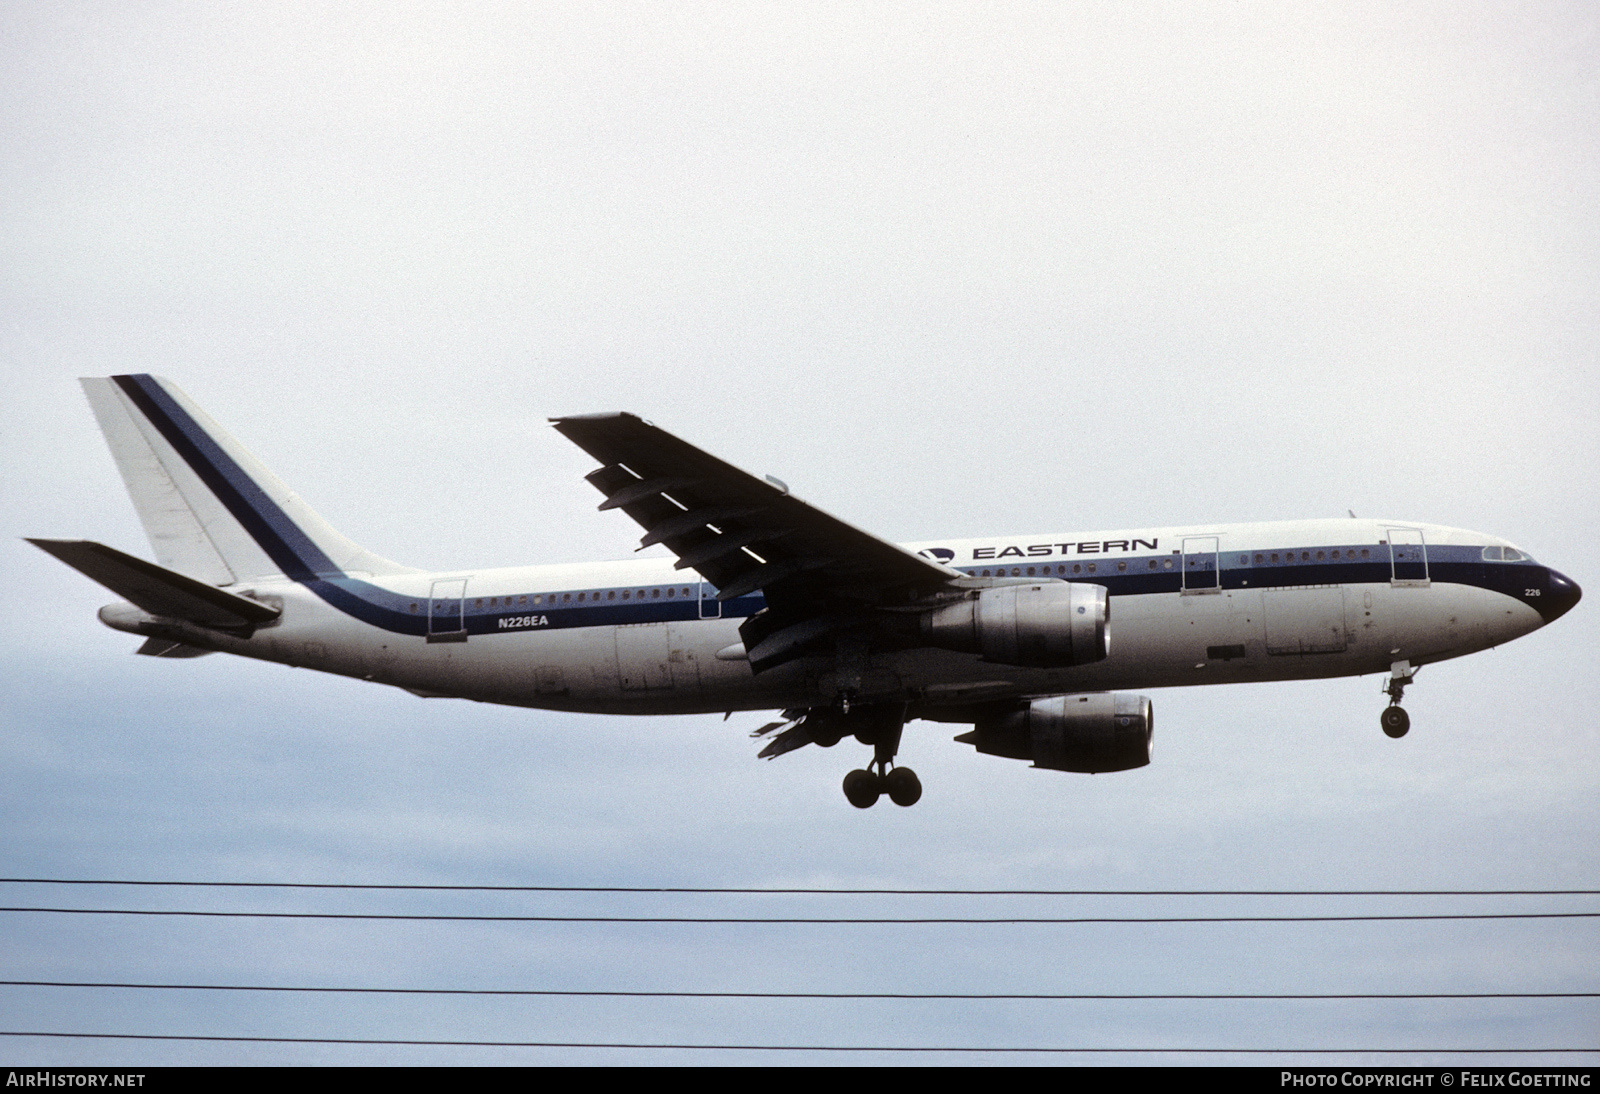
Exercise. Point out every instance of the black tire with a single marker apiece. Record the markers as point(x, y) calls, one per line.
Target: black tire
point(903, 786)
point(862, 788)
point(1395, 721)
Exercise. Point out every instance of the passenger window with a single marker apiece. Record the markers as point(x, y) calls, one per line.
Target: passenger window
point(1121, 566)
point(655, 594)
point(1077, 567)
point(413, 609)
point(1091, 567)
point(1363, 552)
point(1152, 564)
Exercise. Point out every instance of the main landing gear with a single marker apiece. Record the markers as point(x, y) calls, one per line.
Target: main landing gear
point(878, 725)
point(1395, 721)
point(864, 787)
point(881, 729)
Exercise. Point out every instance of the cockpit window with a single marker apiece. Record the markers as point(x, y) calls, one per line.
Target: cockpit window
point(1491, 554)
point(1504, 554)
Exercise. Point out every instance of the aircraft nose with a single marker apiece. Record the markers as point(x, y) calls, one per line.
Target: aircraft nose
point(1561, 593)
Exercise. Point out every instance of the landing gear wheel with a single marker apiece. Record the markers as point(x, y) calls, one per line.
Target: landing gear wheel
point(863, 788)
point(1395, 721)
point(903, 786)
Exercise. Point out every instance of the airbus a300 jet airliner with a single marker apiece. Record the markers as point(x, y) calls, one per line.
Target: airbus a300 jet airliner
point(770, 603)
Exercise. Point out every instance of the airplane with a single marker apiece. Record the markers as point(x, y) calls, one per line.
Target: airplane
point(770, 603)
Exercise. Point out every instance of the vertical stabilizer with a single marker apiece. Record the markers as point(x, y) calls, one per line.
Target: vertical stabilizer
point(210, 509)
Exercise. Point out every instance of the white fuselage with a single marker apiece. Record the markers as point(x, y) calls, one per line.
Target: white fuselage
point(639, 637)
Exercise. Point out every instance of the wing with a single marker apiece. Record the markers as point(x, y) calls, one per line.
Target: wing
point(822, 578)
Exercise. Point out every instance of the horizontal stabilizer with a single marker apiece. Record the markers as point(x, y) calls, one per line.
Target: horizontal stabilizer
point(156, 590)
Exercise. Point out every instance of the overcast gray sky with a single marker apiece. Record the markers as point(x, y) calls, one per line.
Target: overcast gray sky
point(947, 270)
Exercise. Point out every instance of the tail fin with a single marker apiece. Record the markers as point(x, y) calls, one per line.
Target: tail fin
point(210, 509)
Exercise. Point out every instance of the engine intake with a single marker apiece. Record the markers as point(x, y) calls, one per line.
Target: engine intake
point(1042, 626)
point(1102, 731)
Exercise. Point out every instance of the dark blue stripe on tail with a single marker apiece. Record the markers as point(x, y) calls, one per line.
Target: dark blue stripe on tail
point(280, 537)
point(268, 525)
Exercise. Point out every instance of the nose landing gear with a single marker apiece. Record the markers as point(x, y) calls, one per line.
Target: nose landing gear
point(1395, 721)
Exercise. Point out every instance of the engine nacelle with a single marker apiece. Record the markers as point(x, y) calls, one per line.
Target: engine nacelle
point(1053, 625)
point(1103, 731)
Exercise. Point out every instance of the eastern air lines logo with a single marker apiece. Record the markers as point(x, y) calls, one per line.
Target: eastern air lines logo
point(939, 554)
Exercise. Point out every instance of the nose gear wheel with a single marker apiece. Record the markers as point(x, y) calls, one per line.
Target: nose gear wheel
point(1394, 720)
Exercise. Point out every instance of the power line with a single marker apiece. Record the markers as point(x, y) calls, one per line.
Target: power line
point(1130, 1050)
point(808, 920)
point(815, 891)
point(976, 996)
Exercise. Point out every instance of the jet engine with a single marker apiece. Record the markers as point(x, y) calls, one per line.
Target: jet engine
point(1043, 626)
point(1103, 731)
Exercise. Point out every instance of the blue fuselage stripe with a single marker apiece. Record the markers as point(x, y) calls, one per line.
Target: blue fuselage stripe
point(300, 559)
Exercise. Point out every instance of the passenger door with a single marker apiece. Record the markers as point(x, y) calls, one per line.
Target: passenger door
point(447, 606)
point(1408, 554)
point(1200, 569)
